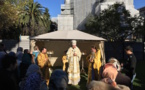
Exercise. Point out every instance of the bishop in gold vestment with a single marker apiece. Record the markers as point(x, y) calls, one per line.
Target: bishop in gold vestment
point(74, 56)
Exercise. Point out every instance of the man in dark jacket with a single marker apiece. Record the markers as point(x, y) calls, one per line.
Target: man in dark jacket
point(130, 64)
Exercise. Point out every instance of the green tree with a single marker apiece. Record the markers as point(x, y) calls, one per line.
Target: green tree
point(33, 16)
point(113, 23)
point(9, 16)
point(46, 19)
point(139, 26)
point(22, 16)
point(8, 20)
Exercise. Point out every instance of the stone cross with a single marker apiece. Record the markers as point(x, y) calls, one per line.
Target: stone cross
point(67, 1)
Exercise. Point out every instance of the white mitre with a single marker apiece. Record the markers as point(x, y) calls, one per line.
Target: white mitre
point(74, 42)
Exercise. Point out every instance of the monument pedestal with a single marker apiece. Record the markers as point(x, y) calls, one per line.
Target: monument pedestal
point(66, 9)
point(65, 20)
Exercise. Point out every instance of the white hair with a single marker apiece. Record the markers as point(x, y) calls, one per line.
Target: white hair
point(116, 63)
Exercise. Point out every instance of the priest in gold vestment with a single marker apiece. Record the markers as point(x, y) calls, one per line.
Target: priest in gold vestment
point(44, 64)
point(94, 64)
point(74, 56)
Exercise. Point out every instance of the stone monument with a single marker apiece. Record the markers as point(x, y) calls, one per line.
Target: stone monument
point(65, 20)
point(74, 13)
point(67, 1)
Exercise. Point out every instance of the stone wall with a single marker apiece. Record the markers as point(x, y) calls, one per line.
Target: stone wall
point(12, 45)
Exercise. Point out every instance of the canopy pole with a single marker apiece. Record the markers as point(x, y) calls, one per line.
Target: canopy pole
point(32, 45)
point(101, 45)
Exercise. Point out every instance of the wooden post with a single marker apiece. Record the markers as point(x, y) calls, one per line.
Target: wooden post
point(101, 46)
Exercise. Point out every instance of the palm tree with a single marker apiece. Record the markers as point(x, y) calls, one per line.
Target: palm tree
point(46, 19)
point(31, 15)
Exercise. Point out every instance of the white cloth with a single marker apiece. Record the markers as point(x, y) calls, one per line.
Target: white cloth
point(74, 67)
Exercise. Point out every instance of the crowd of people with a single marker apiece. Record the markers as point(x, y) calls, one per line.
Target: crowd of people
point(27, 70)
